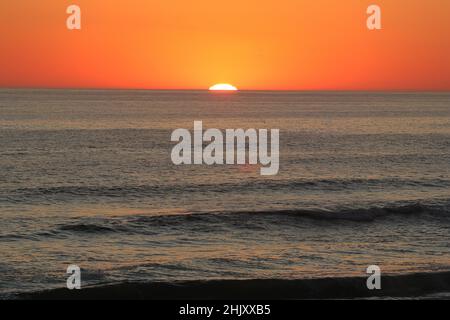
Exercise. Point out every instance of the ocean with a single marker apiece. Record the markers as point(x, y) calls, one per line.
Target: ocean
point(86, 178)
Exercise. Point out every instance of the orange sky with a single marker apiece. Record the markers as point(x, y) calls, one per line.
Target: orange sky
point(253, 44)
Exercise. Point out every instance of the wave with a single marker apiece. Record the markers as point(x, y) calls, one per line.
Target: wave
point(137, 191)
point(409, 285)
point(364, 214)
point(88, 228)
point(357, 215)
point(252, 220)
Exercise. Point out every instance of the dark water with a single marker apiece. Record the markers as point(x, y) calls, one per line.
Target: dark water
point(86, 178)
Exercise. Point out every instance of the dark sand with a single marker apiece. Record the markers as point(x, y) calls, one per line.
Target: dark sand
point(414, 285)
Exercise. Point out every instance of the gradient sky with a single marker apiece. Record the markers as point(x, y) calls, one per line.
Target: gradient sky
point(252, 44)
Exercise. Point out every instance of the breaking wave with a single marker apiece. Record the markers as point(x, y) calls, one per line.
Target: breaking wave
point(208, 221)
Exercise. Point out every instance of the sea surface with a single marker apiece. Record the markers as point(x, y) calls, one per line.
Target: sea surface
point(86, 178)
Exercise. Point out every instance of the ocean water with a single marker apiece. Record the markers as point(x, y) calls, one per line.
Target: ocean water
point(86, 178)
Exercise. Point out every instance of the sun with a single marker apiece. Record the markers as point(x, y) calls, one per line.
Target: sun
point(223, 87)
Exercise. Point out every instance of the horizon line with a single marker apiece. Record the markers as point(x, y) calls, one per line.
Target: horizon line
point(405, 90)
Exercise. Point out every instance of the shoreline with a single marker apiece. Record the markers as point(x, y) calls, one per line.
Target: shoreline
point(405, 286)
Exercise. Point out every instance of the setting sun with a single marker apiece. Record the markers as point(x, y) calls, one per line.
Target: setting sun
point(223, 87)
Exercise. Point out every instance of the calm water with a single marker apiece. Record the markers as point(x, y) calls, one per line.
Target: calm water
point(86, 178)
